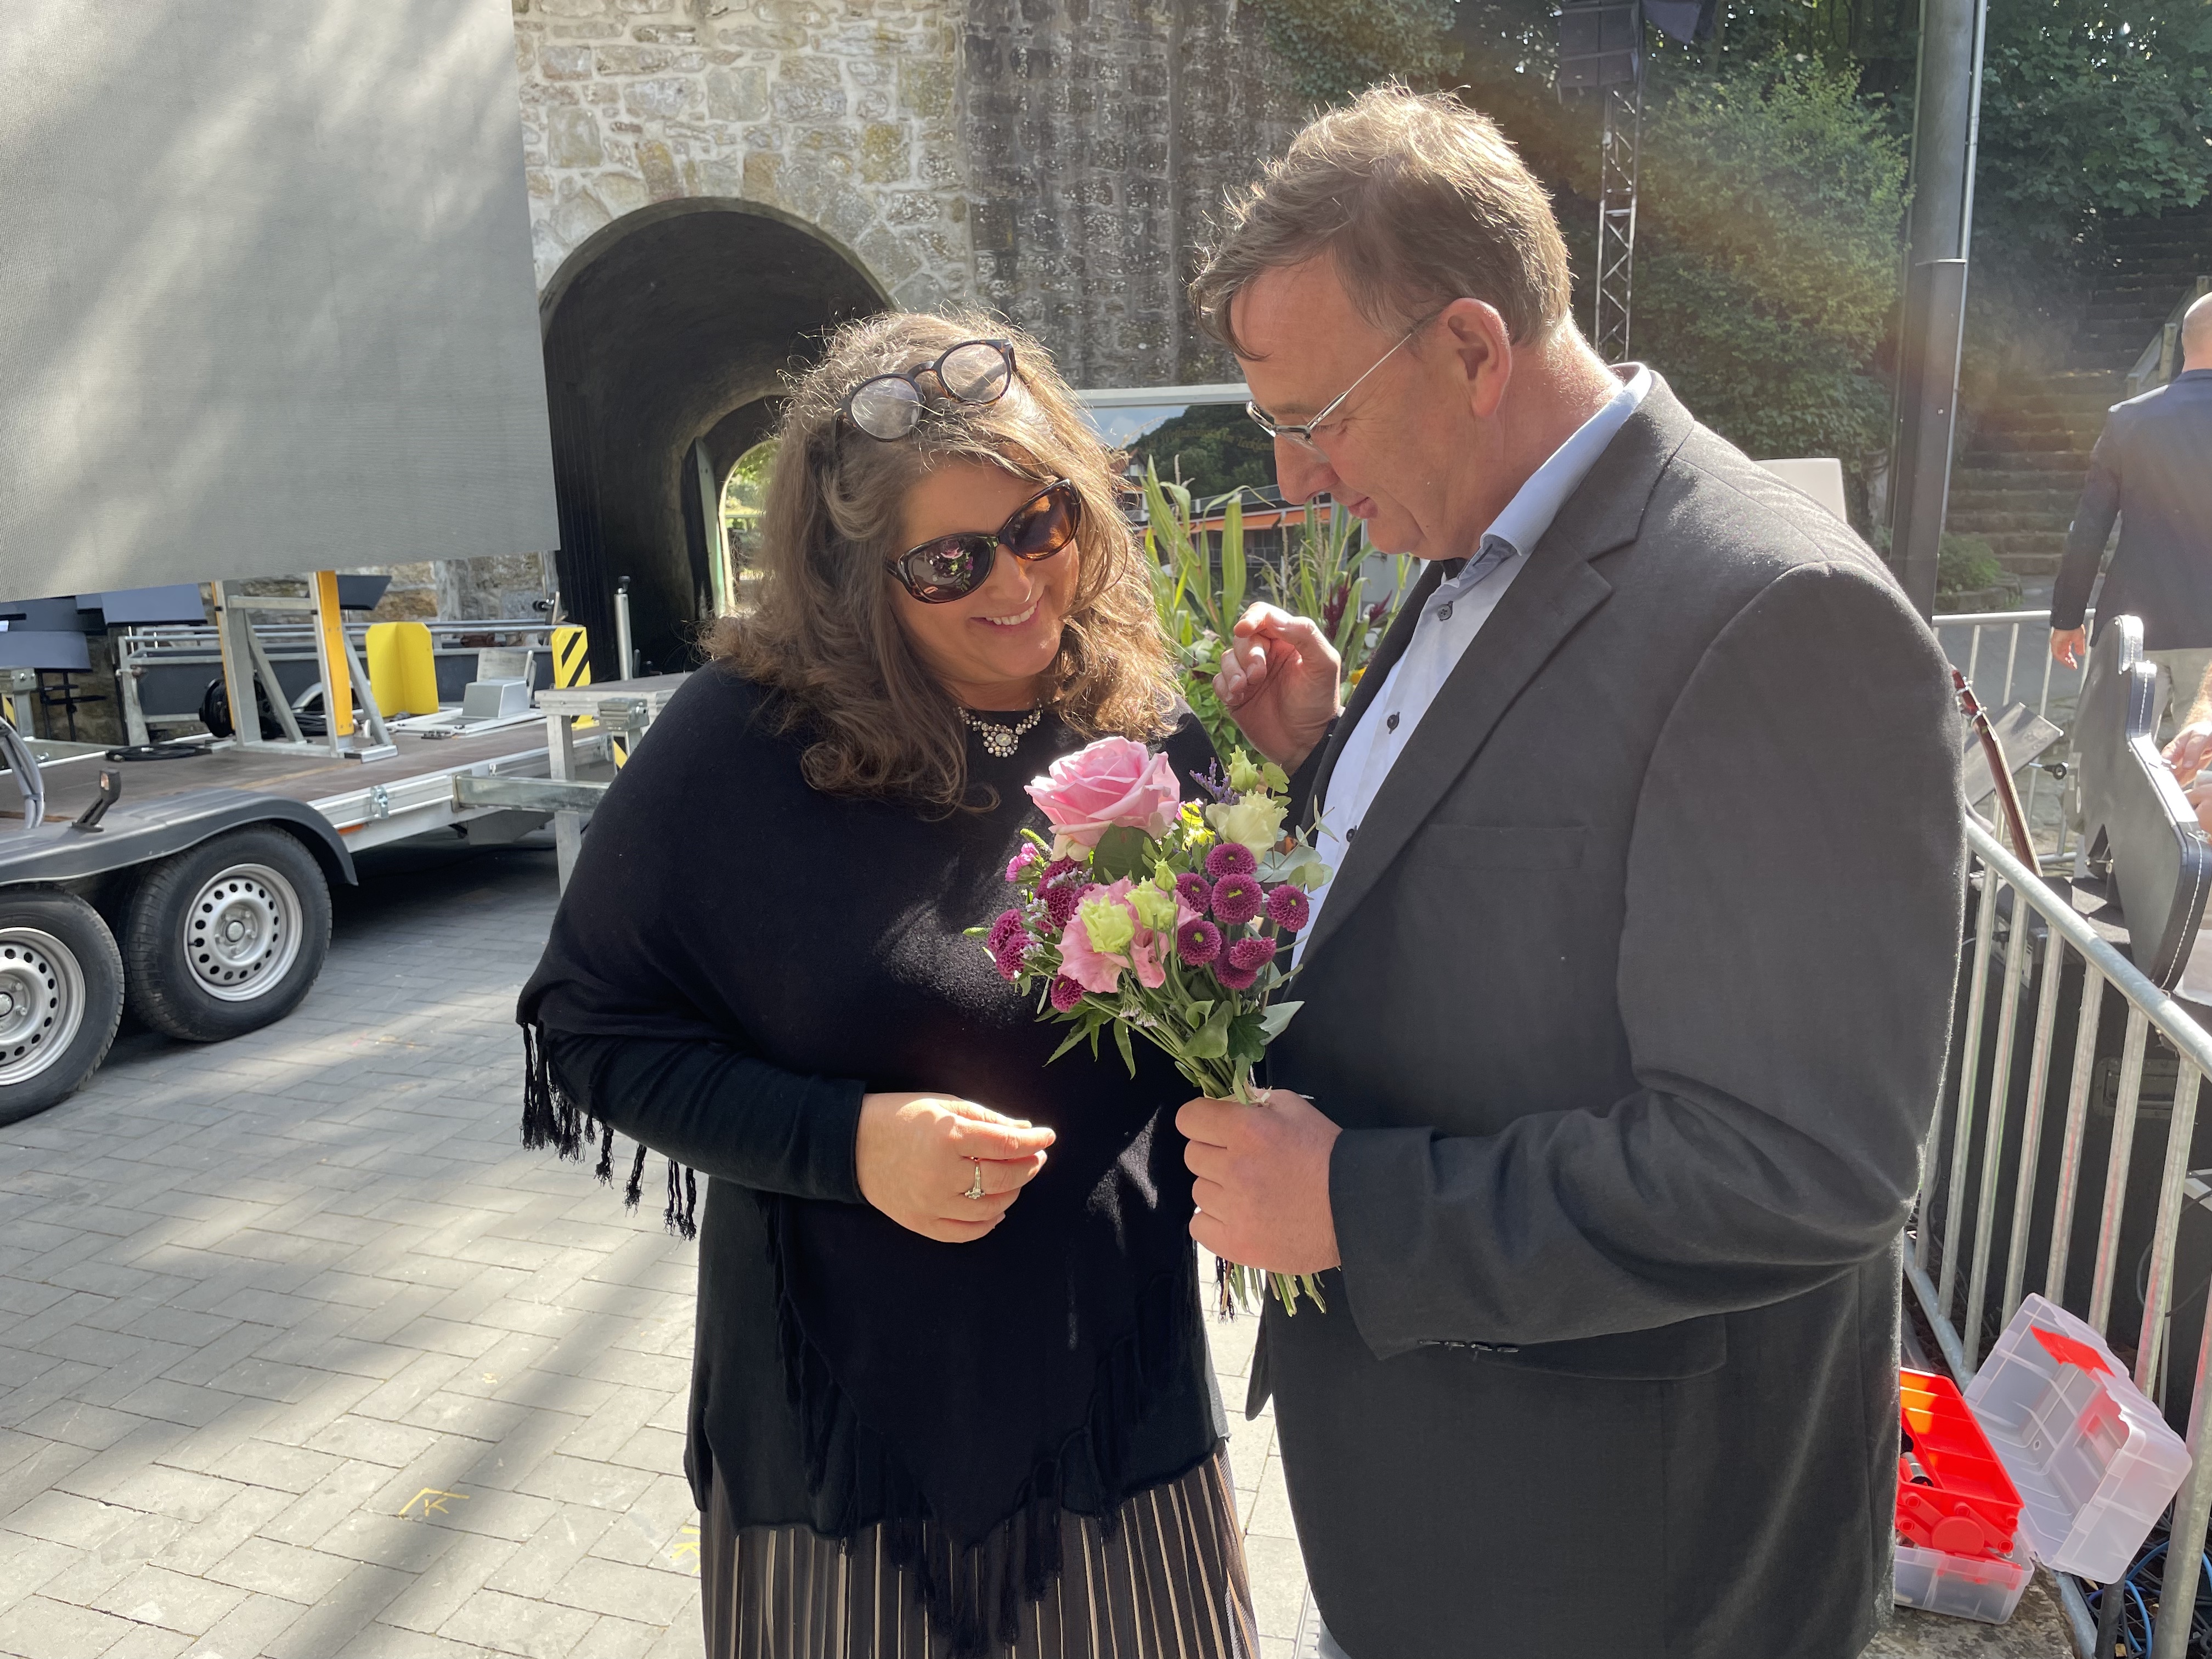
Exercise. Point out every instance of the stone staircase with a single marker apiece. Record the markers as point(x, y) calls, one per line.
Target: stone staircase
point(2021, 474)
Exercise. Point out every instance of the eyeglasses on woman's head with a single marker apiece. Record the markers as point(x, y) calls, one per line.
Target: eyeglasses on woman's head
point(888, 407)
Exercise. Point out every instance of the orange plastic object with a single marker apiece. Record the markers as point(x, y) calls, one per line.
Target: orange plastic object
point(1953, 1495)
point(2067, 1351)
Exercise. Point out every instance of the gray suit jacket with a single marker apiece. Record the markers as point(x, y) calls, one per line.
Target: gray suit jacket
point(1632, 997)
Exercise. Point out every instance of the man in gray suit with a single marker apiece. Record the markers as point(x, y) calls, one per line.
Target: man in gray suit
point(2149, 472)
point(1625, 1007)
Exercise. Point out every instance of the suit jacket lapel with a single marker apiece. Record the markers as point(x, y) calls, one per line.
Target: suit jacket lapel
point(1553, 594)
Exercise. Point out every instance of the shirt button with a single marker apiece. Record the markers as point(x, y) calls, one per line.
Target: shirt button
point(1390, 724)
point(1350, 833)
point(1443, 611)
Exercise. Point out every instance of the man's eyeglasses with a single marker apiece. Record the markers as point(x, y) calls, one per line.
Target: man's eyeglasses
point(1302, 435)
point(953, 567)
point(890, 406)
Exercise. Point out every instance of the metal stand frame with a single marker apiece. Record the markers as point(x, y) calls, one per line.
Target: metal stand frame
point(244, 659)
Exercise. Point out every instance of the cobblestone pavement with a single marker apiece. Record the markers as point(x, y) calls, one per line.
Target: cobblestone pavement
point(301, 1355)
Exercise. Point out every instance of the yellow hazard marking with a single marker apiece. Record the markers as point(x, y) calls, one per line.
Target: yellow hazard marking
point(572, 664)
point(684, 1553)
point(433, 1501)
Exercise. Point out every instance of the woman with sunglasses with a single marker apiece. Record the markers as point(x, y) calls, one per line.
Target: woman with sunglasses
point(951, 1392)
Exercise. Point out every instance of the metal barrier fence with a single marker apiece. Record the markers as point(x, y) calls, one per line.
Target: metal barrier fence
point(1986, 647)
point(1972, 1257)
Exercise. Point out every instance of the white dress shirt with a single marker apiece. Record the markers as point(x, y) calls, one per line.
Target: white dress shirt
point(1450, 618)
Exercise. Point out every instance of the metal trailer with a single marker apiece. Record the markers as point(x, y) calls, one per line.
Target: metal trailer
point(195, 890)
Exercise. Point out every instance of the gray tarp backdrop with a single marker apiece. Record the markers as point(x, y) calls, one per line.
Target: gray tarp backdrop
point(266, 302)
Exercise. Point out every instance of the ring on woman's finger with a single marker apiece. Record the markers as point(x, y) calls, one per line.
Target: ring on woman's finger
point(975, 1187)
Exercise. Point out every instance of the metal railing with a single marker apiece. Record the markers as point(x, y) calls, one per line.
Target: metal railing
point(1973, 1254)
point(1987, 648)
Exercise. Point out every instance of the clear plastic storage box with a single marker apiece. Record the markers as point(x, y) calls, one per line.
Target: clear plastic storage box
point(1963, 1586)
point(2094, 1461)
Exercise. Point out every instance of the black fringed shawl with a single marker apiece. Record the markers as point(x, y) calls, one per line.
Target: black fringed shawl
point(737, 957)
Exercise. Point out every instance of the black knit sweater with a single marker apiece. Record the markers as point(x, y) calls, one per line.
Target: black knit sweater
point(738, 958)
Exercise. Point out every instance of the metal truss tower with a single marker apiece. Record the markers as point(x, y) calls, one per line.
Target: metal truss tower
point(1601, 56)
point(1621, 136)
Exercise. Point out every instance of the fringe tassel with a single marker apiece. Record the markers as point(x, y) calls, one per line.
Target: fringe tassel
point(552, 1117)
point(977, 1591)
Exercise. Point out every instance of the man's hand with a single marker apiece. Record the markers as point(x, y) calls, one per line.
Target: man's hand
point(1277, 680)
point(2189, 751)
point(2066, 644)
point(1263, 1185)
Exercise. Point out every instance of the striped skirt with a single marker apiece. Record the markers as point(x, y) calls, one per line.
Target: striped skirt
point(1169, 1584)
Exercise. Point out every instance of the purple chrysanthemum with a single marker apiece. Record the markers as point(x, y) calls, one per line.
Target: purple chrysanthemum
point(1065, 993)
point(1230, 858)
point(1005, 926)
point(1233, 978)
point(1236, 898)
point(1249, 955)
point(1008, 954)
point(1288, 907)
point(1059, 902)
point(1198, 943)
point(1194, 891)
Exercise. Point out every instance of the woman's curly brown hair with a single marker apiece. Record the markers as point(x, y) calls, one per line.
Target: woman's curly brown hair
point(825, 633)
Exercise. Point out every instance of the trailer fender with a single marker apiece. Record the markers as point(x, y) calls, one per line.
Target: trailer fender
point(56, 853)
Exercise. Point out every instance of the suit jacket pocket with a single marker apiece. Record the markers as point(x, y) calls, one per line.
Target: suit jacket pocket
point(1503, 846)
point(1666, 1353)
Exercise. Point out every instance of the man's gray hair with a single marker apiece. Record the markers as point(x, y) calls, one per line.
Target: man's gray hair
point(1419, 200)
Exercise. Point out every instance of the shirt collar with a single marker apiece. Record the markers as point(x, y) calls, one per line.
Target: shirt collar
point(1538, 502)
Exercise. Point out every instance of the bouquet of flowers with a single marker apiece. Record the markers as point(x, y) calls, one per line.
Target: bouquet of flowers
point(1151, 914)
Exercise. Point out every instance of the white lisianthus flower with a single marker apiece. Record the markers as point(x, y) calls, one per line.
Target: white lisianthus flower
point(1255, 822)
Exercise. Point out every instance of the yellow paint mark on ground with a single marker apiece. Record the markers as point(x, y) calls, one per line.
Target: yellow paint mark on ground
point(684, 1553)
point(433, 1502)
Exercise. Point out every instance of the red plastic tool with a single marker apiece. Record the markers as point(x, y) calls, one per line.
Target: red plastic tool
point(1953, 1495)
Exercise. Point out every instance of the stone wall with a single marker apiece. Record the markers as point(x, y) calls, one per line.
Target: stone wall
point(1057, 161)
point(1101, 137)
point(842, 112)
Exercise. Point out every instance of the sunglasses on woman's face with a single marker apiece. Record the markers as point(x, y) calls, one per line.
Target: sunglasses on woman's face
point(890, 406)
point(953, 567)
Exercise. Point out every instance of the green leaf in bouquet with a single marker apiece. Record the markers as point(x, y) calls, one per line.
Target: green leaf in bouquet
point(1246, 1036)
point(1211, 1040)
point(1301, 865)
point(1074, 1035)
point(1121, 851)
point(1275, 1016)
point(1121, 1041)
point(1273, 777)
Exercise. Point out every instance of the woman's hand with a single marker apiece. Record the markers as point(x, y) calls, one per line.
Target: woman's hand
point(918, 1155)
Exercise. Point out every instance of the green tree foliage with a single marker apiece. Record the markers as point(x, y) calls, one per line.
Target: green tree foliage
point(2092, 107)
point(1769, 210)
point(1334, 48)
point(1210, 449)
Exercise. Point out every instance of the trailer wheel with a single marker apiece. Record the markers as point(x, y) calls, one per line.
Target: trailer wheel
point(225, 937)
point(61, 996)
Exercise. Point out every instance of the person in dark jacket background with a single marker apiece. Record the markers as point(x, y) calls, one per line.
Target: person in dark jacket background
point(2152, 471)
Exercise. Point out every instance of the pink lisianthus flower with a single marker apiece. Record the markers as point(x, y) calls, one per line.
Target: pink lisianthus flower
point(1145, 956)
point(1115, 783)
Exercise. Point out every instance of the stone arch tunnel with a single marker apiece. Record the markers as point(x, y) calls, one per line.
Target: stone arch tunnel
point(665, 337)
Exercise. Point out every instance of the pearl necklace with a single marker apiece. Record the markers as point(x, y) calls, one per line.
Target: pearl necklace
point(1000, 741)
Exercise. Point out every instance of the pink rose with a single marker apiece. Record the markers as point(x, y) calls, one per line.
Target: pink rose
point(1115, 783)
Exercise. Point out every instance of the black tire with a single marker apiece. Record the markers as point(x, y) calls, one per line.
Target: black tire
point(225, 937)
point(61, 983)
